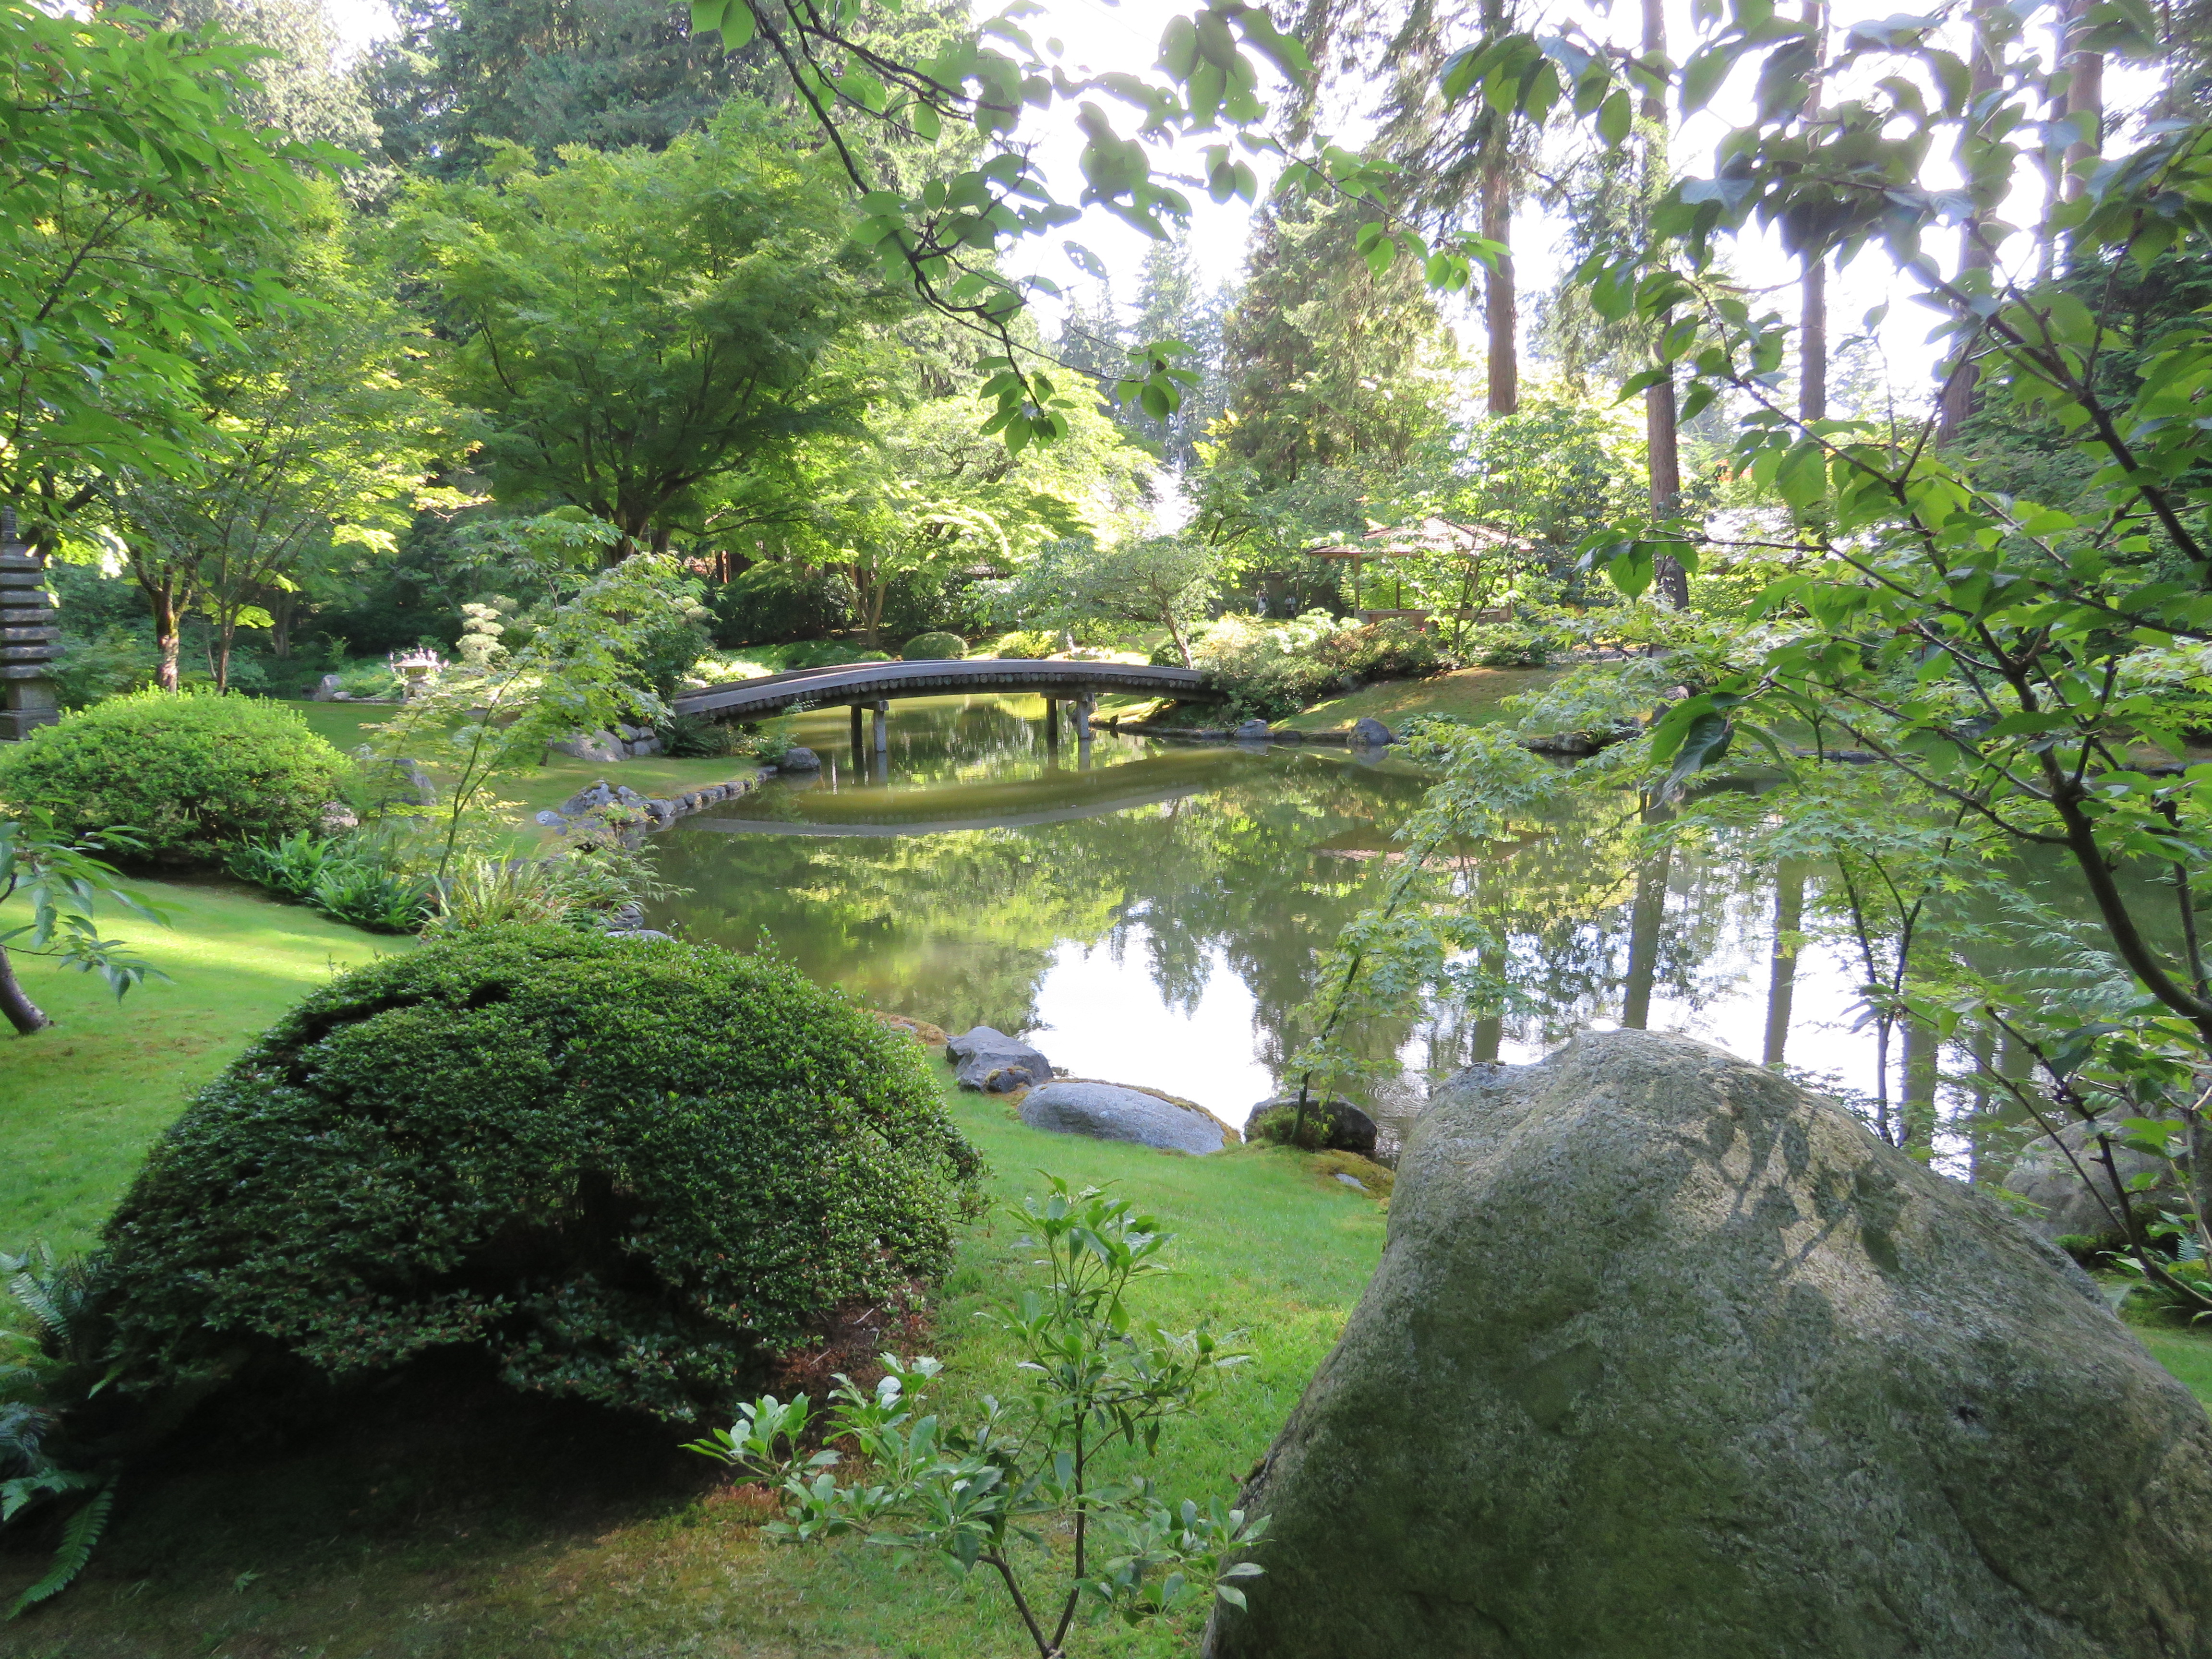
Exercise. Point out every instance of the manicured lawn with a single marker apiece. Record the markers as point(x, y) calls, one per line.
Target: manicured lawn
point(2187, 1354)
point(494, 1529)
point(1467, 694)
point(532, 792)
point(515, 1536)
point(80, 1103)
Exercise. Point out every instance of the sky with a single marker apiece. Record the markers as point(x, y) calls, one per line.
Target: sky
point(1100, 35)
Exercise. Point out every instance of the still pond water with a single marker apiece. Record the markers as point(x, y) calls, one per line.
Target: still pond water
point(1149, 912)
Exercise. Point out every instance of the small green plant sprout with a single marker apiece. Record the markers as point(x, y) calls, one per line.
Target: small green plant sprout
point(1028, 1487)
point(63, 882)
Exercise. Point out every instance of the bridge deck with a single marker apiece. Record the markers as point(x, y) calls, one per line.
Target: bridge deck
point(868, 682)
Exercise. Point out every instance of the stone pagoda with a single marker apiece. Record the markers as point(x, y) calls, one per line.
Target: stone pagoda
point(29, 640)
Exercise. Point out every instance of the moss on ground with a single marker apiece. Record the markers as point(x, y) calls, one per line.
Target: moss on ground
point(1466, 694)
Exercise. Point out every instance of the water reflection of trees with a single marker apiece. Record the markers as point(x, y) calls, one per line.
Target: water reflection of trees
point(962, 926)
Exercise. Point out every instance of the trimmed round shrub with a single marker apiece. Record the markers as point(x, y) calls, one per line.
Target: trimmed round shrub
point(933, 647)
point(190, 772)
point(629, 1171)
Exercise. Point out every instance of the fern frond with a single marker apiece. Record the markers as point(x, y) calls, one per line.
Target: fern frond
point(79, 1539)
point(27, 1489)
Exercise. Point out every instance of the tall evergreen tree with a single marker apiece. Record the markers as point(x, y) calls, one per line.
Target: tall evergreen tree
point(1327, 362)
point(464, 74)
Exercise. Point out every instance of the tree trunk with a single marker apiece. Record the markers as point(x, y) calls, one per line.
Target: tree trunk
point(1661, 434)
point(1813, 340)
point(2085, 102)
point(161, 597)
point(283, 608)
point(22, 1013)
point(1181, 642)
point(1812, 284)
point(1960, 397)
point(1919, 1105)
point(1500, 303)
point(1645, 916)
point(226, 635)
point(1782, 963)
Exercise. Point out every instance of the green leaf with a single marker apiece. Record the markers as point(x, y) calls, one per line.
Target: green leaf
point(1615, 118)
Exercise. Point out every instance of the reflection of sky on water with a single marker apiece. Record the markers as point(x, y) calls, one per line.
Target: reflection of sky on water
point(1162, 940)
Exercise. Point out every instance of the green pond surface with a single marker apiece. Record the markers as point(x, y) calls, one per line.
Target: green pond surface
point(1150, 912)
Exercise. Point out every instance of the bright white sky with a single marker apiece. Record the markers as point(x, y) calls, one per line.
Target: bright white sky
point(1102, 35)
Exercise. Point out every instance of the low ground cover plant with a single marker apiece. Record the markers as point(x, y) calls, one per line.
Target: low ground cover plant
point(624, 1172)
point(362, 877)
point(190, 775)
point(1034, 1475)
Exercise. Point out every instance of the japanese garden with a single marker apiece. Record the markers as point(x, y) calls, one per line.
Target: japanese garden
point(872, 828)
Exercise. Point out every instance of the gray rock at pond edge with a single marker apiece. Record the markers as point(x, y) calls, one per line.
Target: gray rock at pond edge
point(1371, 733)
point(1107, 1111)
point(326, 689)
point(604, 747)
point(991, 1061)
point(1335, 1123)
point(799, 760)
point(590, 799)
point(2068, 1205)
point(1251, 731)
point(1667, 1358)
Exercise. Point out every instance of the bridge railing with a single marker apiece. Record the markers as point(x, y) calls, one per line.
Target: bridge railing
point(866, 682)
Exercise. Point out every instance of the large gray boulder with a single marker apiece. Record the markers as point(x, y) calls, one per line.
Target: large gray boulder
point(1668, 1359)
point(604, 747)
point(2066, 1205)
point(1108, 1111)
point(990, 1060)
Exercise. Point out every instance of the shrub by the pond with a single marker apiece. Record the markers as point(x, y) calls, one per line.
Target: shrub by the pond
point(933, 647)
point(190, 773)
point(628, 1172)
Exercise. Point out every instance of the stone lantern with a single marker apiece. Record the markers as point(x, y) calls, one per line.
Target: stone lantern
point(30, 641)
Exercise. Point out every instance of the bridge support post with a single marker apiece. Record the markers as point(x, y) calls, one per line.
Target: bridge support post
point(883, 726)
point(1052, 726)
point(856, 731)
point(1085, 706)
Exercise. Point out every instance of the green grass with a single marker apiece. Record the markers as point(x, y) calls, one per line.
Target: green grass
point(2186, 1353)
point(1467, 694)
point(499, 1531)
point(80, 1103)
point(484, 1538)
point(541, 787)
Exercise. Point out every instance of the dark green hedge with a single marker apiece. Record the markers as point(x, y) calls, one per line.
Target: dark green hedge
point(626, 1169)
point(192, 773)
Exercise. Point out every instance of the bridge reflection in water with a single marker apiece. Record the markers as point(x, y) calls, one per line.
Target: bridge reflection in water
point(1055, 796)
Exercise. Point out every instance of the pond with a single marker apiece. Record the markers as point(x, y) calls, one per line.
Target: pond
point(1150, 911)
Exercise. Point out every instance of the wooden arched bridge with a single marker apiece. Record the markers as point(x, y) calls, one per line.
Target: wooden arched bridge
point(873, 685)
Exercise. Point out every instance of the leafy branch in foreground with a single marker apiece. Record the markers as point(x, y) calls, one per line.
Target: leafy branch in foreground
point(63, 882)
point(1022, 1482)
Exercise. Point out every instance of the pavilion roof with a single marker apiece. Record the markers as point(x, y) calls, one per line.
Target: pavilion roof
point(1432, 535)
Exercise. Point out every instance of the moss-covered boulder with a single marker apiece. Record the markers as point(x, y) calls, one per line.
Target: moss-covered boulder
point(1667, 1357)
